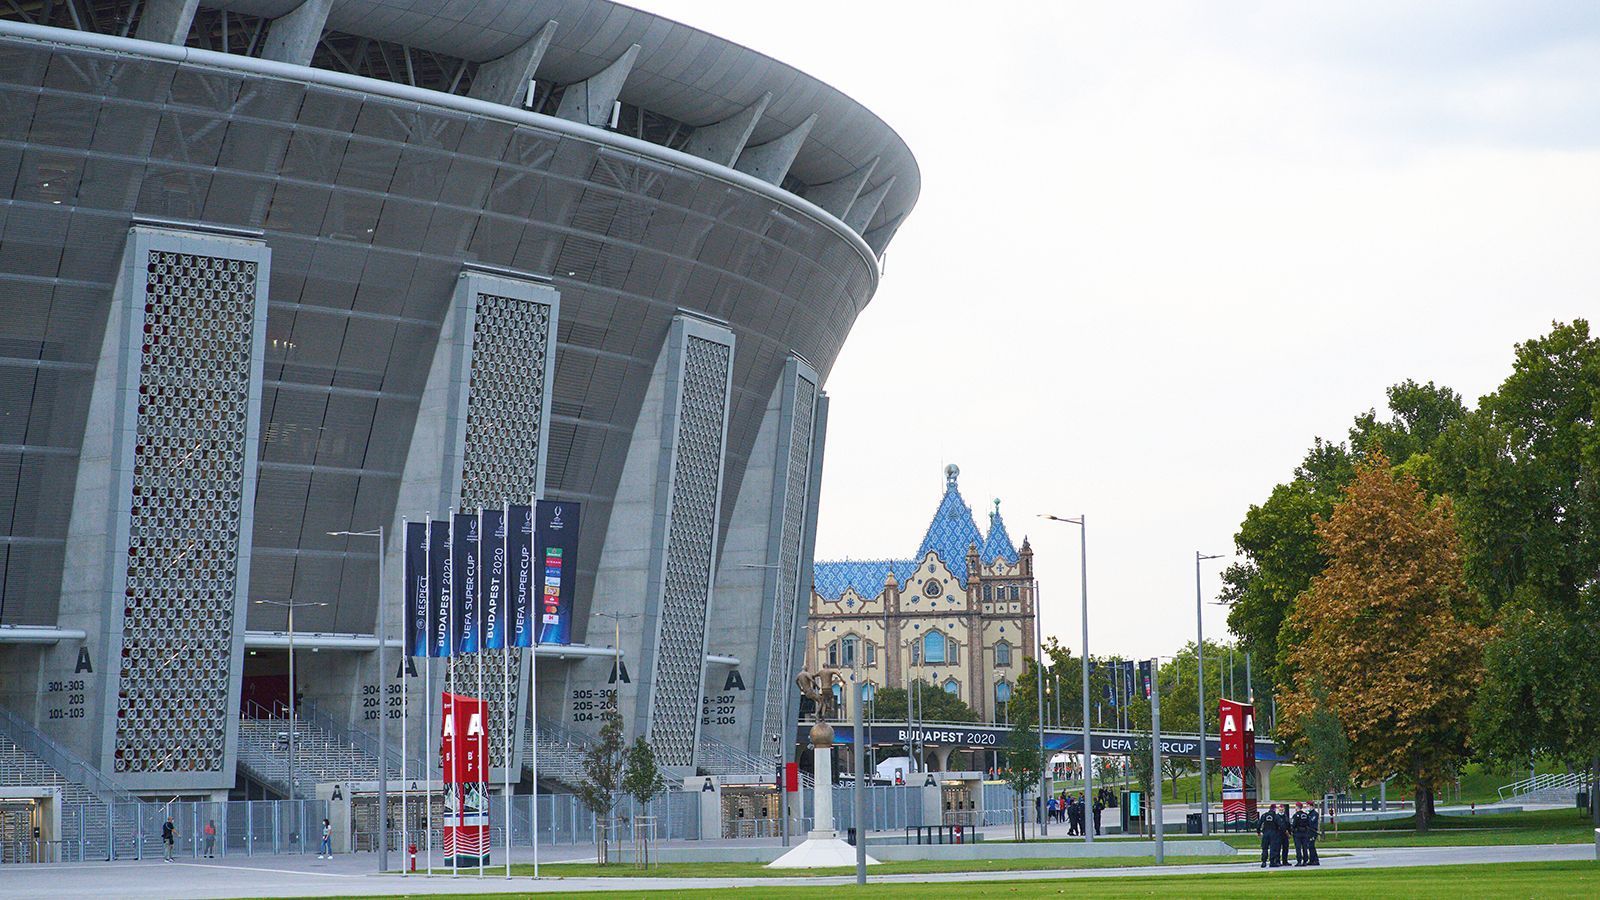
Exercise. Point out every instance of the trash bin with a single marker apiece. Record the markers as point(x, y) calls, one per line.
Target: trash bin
point(1192, 823)
point(1583, 799)
point(850, 836)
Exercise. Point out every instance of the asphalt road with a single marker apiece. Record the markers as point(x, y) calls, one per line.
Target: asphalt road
point(310, 877)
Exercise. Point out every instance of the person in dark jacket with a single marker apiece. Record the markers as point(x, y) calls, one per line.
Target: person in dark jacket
point(1298, 826)
point(1281, 839)
point(169, 838)
point(1266, 826)
point(1315, 829)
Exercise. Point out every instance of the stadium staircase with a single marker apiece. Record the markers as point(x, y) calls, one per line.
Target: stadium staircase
point(29, 758)
point(561, 753)
point(323, 750)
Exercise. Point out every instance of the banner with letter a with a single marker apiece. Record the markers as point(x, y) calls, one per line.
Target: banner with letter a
point(466, 793)
point(1237, 752)
point(556, 550)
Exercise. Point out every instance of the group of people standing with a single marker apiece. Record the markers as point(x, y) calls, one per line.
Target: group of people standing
point(1276, 829)
point(1072, 809)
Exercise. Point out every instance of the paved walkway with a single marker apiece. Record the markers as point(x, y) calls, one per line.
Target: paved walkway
point(353, 875)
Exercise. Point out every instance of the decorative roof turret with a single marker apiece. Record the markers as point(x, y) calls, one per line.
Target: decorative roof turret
point(952, 529)
point(998, 544)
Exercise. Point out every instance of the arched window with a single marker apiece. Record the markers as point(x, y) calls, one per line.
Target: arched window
point(838, 697)
point(933, 647)
point(833, 655)
point(1015, 592)
point(1002, 691)
point(1002, 654)
point(872, 653)
point(988, 592)
point(847, 651)
point(916, 652)
point(870, 691)
point(951, 687)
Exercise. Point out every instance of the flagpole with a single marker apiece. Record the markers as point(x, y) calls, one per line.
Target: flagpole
point(534, 566)
point(505, 660)
point(407, 627)
point(483, 730)
point(449, 688)
point(427, 699)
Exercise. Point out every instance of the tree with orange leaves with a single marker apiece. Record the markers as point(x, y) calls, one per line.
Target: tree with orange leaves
point(1392, 643)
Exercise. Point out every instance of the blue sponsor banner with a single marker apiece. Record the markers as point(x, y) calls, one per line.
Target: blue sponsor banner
point(416, 587)
point(494, 579)
point(465, 588)
point(556, 548)
point(440, 587)
point(519, 554)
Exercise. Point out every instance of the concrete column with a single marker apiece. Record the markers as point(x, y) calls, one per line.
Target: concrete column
point(166, 21)
point(836, 196)
point(722, 142)
point(508, 79)
point(292, 38)
point(770, 162)
point(1264, 781)
point(866, 205)
point(709, 790)
point(589, 101)
point(822, 808)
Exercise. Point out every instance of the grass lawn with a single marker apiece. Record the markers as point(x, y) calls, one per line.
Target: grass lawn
point(1545, 826)
point(910, 867)
point(1545, 879)
point(1478, 785)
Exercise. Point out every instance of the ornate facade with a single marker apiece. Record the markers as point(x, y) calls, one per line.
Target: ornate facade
point(959, 614)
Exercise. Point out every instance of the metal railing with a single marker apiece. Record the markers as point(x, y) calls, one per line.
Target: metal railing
point(1551, 785)
point(67, 765)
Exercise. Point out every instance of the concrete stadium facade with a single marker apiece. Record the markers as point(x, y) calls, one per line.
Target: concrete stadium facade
point(272, 269)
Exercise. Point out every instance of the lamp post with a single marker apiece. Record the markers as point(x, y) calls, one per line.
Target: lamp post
point(1200, 688)
point(616, 638)
point(1044, 757)
point(1155, 758)
point(779, 748)
point(1088, 748)
point(383, 700)
point(291, 605)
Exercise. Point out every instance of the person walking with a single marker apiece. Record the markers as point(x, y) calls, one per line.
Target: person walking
point(325, 849)
point(1055, 809)
point(211, 837)
point(169, 839)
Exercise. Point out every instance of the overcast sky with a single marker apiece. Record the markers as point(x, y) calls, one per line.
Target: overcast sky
point(1160, 246)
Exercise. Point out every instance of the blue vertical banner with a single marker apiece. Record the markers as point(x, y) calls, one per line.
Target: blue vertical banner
point(416, 588)
point(494, 579)
point(1128, 684)
point(440, 583)
point(519, 562)
point(468, 540)
point(556, 558)
point(1145, 669)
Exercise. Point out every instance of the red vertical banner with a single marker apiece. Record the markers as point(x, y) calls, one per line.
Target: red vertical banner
point(1237, 752)
point(466, 796)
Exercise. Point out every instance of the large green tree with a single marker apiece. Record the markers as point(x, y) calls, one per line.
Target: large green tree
point(1281, 552)
point(1391, 643)
point(934, 704)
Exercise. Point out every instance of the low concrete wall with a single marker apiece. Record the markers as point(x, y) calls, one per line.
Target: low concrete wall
point(982, 850)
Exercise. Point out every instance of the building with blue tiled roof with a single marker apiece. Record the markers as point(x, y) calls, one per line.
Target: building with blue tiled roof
point(957, 614)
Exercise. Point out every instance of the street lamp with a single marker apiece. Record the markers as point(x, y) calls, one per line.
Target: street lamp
point(291, 605)
point(1088, 747)
point(383, 700)
point(1200, 688)
point(1038, 690)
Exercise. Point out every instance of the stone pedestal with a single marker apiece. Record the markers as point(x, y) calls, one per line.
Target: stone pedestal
point(822, 847)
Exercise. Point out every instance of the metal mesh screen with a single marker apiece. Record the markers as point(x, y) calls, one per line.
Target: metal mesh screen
point(780, 672)
point(182, 555)
point(697, 470)
point(500, 462)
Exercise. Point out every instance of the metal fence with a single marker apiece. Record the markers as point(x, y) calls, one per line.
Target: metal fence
point(102, 831)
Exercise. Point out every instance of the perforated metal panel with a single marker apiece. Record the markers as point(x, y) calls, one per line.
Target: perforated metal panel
point(502, 458)
point(186, 512)
point(780, 672)
point(691, 542)
point(505, 401)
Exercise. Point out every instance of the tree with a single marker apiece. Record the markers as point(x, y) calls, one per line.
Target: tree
point(602, 775)
point(1023, 766)
point(1390, 632)
point(643, 781)
point(1322, 757)
point(935, 704)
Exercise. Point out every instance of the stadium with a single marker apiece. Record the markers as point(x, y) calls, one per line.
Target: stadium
point(280, 274)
